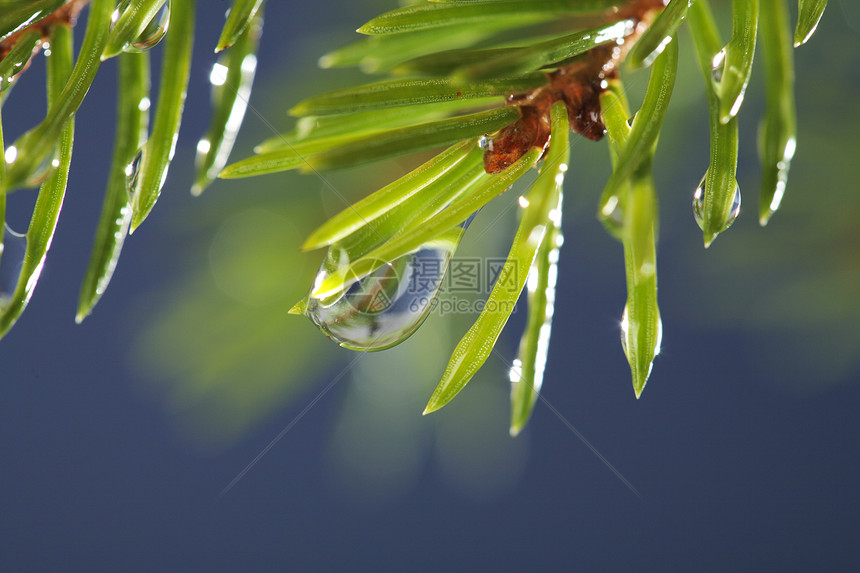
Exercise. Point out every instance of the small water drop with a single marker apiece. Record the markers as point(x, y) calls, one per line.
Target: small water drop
point(699, 205)
point(154, 32)
point(649, 59)
point(625, 330)
point(12, 250)
point(628, 333)
point(386, 307)
point(486, 143)
point(44, 170)
point(612, 216)
point(736, 206)
point(131, 172)
point(718, 66)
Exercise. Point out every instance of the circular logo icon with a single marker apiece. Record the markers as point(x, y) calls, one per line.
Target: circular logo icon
point(376, 292)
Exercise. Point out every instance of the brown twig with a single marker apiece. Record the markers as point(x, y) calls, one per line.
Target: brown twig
point(578, 85)
point(66, 15)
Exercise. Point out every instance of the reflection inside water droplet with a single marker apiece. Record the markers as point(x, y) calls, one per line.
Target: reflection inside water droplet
point(485, 142)
point(14, 247)
point(386, 307)
point(154, 32)
point(699, 205)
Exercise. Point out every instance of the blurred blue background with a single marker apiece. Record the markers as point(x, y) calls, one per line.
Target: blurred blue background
point(118, 437)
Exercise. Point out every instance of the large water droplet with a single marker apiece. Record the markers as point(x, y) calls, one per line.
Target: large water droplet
point(386, 307)
point(12, 251)
point(699, 205)
point(154, 32)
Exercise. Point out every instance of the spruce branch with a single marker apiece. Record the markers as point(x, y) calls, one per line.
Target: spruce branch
point(495, 85)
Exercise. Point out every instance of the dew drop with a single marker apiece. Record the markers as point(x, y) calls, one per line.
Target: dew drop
point(154, 32)
point(718, 66)
point(612, 216)
point(629, 333)
point(625, 330)
point(699, 205)
point(649, 59)
point(486, 143)
point(386, 307)
point(131, 172)
point(44, 170)
point(12, 250)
